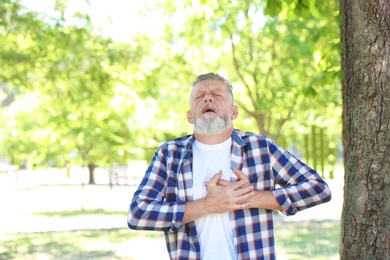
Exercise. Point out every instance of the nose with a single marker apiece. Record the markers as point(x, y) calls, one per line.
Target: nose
point(208, 98)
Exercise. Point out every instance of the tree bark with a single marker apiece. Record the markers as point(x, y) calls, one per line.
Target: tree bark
point(365, 232)
point(91, 170)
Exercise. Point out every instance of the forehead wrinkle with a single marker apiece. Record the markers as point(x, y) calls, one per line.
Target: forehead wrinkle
point(210, 85)
point(207, 88)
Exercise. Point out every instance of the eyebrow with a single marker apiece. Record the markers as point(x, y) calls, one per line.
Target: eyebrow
point(215, 90)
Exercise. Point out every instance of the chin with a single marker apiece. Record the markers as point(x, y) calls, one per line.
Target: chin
point(209, 116)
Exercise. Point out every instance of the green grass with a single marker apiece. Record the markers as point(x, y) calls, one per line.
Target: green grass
point(83, 244)
point(307, 240)
point(294, 240)
point(63, 206)
point(76, 213)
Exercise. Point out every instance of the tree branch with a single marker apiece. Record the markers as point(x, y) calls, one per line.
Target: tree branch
point(238, 70)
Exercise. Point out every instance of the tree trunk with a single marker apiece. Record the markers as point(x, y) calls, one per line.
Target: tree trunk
point(366, 94)
point(91, 169)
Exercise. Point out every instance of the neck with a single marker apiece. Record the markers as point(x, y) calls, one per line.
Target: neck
point(214, 139)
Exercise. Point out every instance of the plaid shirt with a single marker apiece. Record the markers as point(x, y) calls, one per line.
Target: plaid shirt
point(160, 200)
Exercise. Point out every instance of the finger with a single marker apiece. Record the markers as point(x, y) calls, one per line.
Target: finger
point(245, 190)
point(214, 180)
point(240, 174)
point(223, 182)
point(243, 179)
point(245, 193)
point(245, 205)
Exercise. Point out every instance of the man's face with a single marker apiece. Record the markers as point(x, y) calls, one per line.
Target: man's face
point(212, 110)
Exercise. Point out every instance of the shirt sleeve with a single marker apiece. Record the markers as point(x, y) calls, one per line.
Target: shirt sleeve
point(301, 186)
point(149, 209)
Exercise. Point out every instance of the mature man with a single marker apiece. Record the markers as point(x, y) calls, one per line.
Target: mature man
point(213, 192)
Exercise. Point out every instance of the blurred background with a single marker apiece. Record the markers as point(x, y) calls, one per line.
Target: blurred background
point(90, 89)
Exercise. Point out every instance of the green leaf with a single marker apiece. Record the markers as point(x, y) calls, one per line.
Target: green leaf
point(273, 7)
point(309, 92)
point(302, 9)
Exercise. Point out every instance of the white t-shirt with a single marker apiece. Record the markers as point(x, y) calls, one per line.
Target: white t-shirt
point(215, 232)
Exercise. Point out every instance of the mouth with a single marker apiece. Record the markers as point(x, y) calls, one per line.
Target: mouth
point(209, 108)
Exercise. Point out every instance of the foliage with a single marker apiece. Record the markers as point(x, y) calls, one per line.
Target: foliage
point(82, 98)
point(80, 101)
point(283, 58)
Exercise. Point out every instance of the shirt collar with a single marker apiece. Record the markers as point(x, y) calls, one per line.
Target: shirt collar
point(236, 136)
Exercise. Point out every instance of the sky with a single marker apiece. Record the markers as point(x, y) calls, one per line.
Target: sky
point(118, 19)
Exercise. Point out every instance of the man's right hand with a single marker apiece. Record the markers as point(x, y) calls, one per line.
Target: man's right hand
point(224, 196)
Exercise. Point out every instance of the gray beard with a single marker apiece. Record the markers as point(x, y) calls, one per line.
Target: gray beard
point(211, 125)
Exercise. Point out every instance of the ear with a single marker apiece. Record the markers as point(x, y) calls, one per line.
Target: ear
point(234, 112)
point(189, 117)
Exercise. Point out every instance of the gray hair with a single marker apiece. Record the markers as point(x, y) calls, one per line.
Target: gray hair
point(212, 75)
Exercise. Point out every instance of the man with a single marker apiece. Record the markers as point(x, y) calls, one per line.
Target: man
point(213, 192)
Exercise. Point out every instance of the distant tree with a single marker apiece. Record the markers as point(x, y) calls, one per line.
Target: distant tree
point(366, 90)
point(72, 90)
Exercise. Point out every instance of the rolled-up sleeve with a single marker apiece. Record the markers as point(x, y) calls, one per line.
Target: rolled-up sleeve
point(148, 209)
point(301, 187)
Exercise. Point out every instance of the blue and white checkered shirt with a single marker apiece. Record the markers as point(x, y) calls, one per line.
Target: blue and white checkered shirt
point(160, 200)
